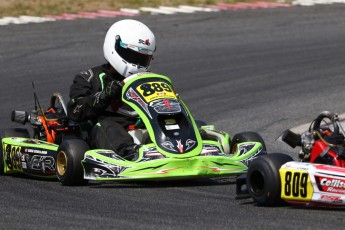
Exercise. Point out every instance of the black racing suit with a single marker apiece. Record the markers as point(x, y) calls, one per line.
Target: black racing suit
point(87, 105)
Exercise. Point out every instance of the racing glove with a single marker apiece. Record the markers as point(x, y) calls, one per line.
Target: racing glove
point(113, 90)
point(102, 99)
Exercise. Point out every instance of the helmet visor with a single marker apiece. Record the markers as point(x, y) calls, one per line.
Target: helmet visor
point(133, 54)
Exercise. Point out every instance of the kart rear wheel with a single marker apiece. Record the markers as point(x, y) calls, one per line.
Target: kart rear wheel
point(263, 179)
point(246, 137)
point(69, 169)
point(12, 132)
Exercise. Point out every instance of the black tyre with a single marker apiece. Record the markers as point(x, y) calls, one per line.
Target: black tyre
point(12, 132)
point(246, 137)
point(263, 180)
point(69, 169)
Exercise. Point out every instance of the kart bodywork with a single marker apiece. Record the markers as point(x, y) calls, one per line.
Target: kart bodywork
point(173, 144)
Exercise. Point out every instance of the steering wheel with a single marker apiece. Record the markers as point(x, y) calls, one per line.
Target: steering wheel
point(336, 138)
point(324, 115)
point(57, 102)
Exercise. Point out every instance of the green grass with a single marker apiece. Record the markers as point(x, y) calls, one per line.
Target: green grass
point(45, 7)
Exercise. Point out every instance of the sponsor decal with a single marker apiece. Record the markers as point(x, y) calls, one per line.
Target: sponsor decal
point(162, 106)
point(40, 163)
point(38, 151)
point(190, 143)
point(179, 146)
point(297, 165)
point(168, 145)
point(330, 199)
point(132, 95)
point(146, 42)
point(332, 185)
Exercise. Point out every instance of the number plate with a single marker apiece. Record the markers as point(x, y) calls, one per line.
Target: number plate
point(151, 91)
point(295, 185)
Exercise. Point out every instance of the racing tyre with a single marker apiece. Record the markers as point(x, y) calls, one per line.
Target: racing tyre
point(12, 132)
point(246, 137)
point(69, 169)
point(263, 180)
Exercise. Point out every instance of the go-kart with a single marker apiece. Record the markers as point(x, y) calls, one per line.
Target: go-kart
point(319, 177)
point(173, 144)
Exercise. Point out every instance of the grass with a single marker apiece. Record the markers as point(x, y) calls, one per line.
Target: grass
point(45, 7)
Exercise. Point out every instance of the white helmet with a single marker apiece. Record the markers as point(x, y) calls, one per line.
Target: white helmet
point(129, 46)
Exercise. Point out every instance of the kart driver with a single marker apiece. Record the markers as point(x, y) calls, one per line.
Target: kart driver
point(95, 94)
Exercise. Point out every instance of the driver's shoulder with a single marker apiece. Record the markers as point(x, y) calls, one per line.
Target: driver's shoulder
point(92, 73)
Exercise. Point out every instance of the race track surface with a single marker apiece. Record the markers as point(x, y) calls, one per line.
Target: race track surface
point(261, 70)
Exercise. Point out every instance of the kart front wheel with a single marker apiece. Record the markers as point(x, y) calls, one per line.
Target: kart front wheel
point(263, 179)
point(69, 169)
point(12, 132)
point(246, 137)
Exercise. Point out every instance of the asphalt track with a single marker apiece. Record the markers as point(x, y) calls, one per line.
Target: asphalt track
point(261, 70)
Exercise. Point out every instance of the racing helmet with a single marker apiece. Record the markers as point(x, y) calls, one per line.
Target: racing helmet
point(129, 46)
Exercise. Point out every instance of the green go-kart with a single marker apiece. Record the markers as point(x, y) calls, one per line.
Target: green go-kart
point(172, 144)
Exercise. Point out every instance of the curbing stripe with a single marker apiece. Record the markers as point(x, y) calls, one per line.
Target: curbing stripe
point(155, 10)
point(23, 20)
point(35, 19)
point(162, 10)
point(117, 13)
point(97, 14)
point(315, 2)
point(130, 11)
point(196, 8)
point(176, 9)
point(216, 7)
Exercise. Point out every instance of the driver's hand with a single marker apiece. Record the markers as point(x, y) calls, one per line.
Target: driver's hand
point(113, 89)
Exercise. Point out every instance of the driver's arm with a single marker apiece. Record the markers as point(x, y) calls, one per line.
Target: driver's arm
point(85, 102)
